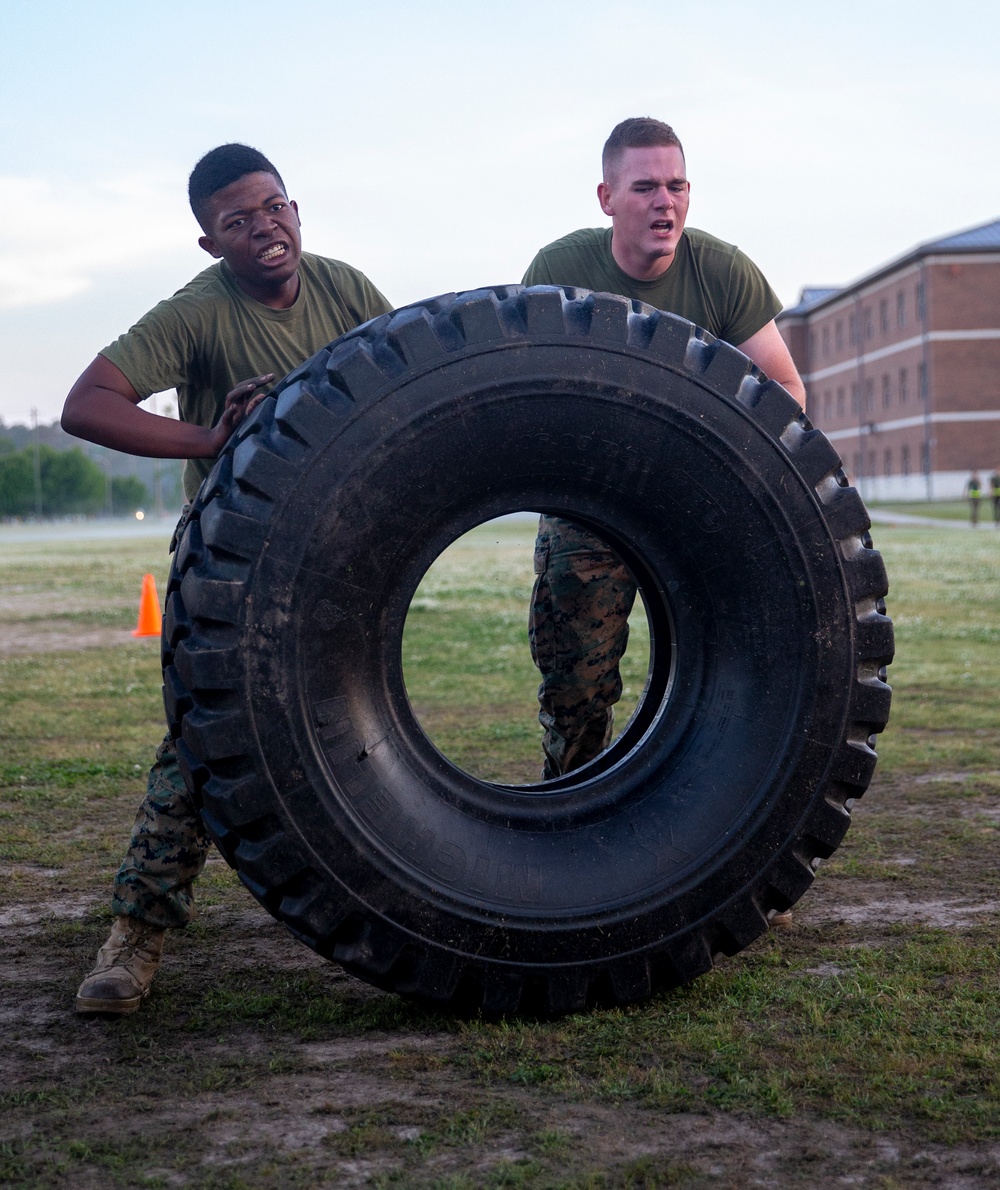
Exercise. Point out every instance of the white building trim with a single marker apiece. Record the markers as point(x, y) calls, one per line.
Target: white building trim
point(872, 357)
point(944, 485)
point(908, 423)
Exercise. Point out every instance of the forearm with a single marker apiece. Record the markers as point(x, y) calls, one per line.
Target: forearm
point(768, 351)
point(111, 419)
point(794, 386)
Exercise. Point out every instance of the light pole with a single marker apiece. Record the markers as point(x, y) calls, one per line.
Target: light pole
point(109, 497)
point(38, 464)
point(157, 478)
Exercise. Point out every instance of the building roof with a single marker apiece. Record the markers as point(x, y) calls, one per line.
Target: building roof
point(985, 238)
point(975, 239)
point(810, 297)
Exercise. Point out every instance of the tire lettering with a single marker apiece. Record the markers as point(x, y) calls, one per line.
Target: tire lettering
point(335, 730)
point(519, 882)
point(480, 874)
point(512, 882)
point(448, 863)
point(376, 804)
point(413, 840)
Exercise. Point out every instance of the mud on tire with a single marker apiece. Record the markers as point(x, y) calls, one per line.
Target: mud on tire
point(282, 651)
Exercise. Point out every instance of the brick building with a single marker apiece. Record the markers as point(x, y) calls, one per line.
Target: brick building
point(902, 367)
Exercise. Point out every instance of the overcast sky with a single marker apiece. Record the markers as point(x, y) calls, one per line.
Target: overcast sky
point(438, 145)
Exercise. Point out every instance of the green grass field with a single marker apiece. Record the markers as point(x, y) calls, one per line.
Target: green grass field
point(861, 1044)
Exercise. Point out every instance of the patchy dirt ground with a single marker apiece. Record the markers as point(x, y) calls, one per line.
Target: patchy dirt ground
point(26, 641)
point(225, 1079)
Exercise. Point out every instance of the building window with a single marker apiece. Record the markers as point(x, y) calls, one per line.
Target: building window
point(921, 303)
point(855, 399)
point(887, 463)
point(904, 388)
point(827, 405)
point(871, 462)
point(925, 458)
point(826, 341)
point(869, 395)
point(869, 324)
point(852, 329)
point(838, 334)
point(858, 463)
point(840, 403)
point(886, 390)
point(812, 342)
point(905, 460)
point(922, 381)
point(901, 308)
point(883, 317)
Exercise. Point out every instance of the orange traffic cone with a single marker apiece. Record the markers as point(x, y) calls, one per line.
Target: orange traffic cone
point(150, 620)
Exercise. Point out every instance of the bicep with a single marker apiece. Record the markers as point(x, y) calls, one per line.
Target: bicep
point(768, 351)
point(93, 399)
point(102, 374)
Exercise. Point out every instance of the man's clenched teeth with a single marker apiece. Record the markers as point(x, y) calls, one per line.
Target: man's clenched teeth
point(273, 252)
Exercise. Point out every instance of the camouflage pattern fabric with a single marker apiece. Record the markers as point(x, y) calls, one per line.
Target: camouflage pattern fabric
point(167, 851)
point(578, 630)
point(169, 845)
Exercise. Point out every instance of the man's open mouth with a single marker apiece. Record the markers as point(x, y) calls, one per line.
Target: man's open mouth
point(273, 252)
point(663, 225)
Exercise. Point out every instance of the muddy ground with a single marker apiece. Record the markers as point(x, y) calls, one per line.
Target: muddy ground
point(222, 1079)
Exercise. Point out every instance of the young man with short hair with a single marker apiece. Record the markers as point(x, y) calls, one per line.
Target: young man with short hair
point(578, 625)
point(258, 313)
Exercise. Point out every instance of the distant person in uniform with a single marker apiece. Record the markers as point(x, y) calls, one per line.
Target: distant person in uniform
point(995, 494)
point(974, 492)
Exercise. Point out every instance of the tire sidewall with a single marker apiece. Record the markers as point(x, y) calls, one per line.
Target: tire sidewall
point(705, 507)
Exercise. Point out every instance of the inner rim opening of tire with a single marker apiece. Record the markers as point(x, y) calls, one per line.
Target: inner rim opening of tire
point(480, 628)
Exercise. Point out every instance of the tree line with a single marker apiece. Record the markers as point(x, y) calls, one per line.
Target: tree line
point(40, 480)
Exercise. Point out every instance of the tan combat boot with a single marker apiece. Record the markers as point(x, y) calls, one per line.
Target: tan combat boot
point(126, 964)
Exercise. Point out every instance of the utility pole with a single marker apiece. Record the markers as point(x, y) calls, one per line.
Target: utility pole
point(157, 479)
point(38, 465)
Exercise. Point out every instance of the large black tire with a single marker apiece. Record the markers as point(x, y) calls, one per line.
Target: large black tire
point(282, 651)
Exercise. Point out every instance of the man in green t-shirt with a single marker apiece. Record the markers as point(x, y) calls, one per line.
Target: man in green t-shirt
point(578, 626)
point(258, 313)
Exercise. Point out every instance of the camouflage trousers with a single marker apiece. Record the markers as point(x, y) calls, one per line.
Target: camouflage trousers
point(167, 850)
point(578, 631)
point(169, 845)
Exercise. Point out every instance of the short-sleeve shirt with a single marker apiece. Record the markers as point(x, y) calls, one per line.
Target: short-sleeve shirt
point(210, 336)
point(709, 282)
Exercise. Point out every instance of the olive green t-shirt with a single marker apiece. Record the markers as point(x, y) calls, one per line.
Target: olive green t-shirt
point(210, 336)
point(709, 282)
